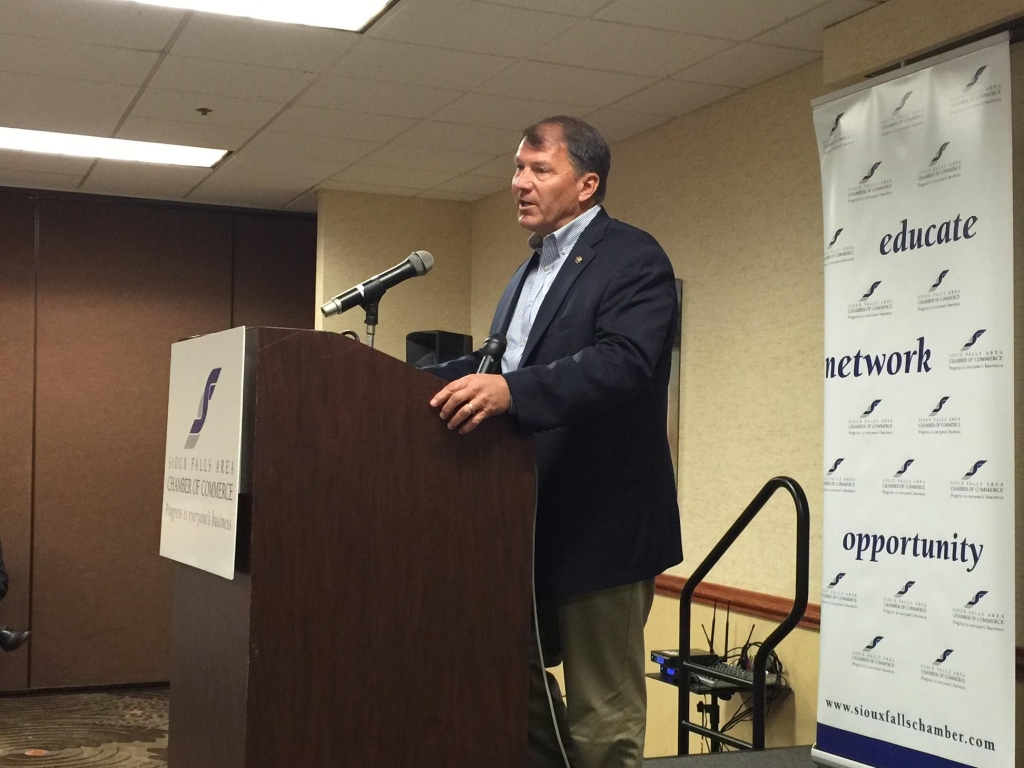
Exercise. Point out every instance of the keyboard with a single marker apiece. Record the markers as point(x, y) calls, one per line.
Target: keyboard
point(744, 674)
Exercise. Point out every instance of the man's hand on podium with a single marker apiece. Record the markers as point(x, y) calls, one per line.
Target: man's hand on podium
point(467, 402)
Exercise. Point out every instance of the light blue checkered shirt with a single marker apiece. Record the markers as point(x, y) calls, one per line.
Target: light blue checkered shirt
point(553, 249)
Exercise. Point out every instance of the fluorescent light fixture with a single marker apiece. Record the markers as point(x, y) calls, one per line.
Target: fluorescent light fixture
point(351, 15)
point(74, 145)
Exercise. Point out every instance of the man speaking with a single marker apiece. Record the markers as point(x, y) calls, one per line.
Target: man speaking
point(590, 320)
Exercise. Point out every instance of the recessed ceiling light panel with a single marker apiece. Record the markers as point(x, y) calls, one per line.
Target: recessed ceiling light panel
point(74, 145)
point(351, 15)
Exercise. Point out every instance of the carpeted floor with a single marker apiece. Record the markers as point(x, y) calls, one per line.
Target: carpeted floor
point(127, 729)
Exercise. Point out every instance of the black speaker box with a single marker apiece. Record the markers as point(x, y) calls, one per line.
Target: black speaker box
point(423, 348)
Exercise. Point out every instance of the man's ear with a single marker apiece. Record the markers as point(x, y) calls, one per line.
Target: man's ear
point(589, 182)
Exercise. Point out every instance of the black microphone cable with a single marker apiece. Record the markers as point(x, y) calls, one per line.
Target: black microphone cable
point(536, 632)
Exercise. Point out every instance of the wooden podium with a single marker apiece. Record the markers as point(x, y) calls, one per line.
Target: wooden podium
point(380, 610)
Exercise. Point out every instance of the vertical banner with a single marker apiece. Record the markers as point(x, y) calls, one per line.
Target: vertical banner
point(917, 615)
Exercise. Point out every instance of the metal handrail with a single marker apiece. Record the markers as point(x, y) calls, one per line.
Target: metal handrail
point(803, 539)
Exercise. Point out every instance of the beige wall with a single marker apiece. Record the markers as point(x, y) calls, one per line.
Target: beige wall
point(901, 30)
point(361, 235)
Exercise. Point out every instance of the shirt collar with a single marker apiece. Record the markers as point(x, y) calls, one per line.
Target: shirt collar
point(537, 242)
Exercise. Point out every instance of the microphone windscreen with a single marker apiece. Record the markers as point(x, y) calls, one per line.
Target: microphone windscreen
point(494, 345)
point(421, 261)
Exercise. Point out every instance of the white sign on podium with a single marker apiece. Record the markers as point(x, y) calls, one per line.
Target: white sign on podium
point(204, 443)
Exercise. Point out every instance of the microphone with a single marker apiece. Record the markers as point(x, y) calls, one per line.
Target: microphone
point(418, 263)
point(493, 349)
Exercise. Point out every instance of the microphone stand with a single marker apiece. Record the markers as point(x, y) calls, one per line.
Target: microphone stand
point(371, 322)
point(373, 291)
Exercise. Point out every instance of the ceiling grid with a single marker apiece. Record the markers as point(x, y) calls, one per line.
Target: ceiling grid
point(429, 102)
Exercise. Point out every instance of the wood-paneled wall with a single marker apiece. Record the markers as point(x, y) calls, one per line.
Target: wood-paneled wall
point(93, 291)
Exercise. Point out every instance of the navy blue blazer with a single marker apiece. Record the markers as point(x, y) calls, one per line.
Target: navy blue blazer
point(592, 387)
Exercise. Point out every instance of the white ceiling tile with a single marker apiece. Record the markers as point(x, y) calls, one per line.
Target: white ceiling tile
point(570, 7)
point(267, 174)
point(466, 138)
point(37, 162)
point(306, 203)
point(182, 106)
point(252, 41)
point(163, 182)
point(728, 19)
point(263, 170)
point(500, 168)
point(616, 125)
point(326, 148)
point(418, 158)
point(625, 48)
point(287, 188)
point(59, 104)
point(12, 177)
point(476, 185)
point(373, 189)
point(375, 97)
point(470, 26)
point(59, 58)
point(674, 97)
point(224, 78)
point(459, 197)
point(341, 124)
point(361, 173)
point(397, 62)
point(179, 132)
point(498, 111)
point(747, 64)
point(245, 196)
point(807, 31)
point(125, 25)
point(564, 85)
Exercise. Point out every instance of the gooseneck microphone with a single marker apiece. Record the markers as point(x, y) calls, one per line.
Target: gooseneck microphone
point(368, 293)
point(493, 349)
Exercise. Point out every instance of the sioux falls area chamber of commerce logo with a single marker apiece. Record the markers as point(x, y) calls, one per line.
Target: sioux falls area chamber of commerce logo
point(204, 406)
point(907, 113)
point(941, 417)
point(871, 182)
point(943, 670)
point(874, 420)
point(837, 480)
point(840, 134)
point(980, 89)
point(942, 294)
point(906, 479)
point(902, 603)
point(980, 481)
point(872, 656)
point(837, 592)
point(980, 612)
point(870, 300)
point(839, 248)
point(942, 165)
point(980, 350)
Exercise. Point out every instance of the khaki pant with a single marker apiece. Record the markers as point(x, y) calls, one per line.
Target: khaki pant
point(604, 718)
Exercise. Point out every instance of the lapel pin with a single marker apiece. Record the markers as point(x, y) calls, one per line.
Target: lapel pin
point(579, 259)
